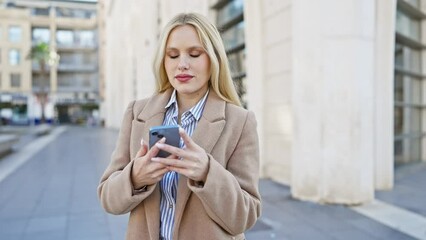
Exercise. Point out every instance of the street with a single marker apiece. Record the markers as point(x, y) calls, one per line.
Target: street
point(52, 195)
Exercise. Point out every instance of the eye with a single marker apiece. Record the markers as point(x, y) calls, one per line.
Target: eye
point(195, 53)
point(173, 56)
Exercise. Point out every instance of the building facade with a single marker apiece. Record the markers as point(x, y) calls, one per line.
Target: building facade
point(337, 86)
point(69, 86)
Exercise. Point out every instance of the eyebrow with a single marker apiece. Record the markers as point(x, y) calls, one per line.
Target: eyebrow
point(189, 49)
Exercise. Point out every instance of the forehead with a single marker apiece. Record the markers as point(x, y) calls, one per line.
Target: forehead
point(185, 35)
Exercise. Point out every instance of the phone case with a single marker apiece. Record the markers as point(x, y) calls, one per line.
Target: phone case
point(171, 133)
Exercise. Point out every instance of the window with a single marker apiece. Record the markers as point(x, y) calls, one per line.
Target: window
point(15, 80)
point(230, 22)
point(409, 103)
point(41, 35)
point(85, 38)
point(14, 57)
point(65, 37)
point(15, 34)
point(74, 13)
point(40, 11)
point(407, 25)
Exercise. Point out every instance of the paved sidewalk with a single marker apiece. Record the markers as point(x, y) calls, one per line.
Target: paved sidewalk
point(53, 196)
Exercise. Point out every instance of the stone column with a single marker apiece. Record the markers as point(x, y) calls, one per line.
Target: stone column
point(383, 93)
point(255, 69)
point(333, 100)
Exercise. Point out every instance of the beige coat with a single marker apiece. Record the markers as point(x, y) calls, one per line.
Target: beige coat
point(229, 202)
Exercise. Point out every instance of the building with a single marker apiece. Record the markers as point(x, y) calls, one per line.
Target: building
point(71, 82)
point(336, 85)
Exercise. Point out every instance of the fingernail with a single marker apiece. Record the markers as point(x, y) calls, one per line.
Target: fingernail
point(154, 159)
point(141, 141)
point(159, 145)
point(163, 140)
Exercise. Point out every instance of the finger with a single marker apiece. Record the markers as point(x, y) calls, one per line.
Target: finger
point(154, 150)
point(160, 173)
point(144, 146)
point(186, 138)
point(171, 162)
point(171, 149)
point(156, 166)
point(182, 171)
point(143, 150)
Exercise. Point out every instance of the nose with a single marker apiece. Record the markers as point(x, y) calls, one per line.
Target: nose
point(183, 63)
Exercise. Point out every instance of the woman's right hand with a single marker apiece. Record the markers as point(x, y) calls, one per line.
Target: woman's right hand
point(146, 172)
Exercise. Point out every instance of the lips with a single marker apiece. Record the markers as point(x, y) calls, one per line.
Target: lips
point(183, 77)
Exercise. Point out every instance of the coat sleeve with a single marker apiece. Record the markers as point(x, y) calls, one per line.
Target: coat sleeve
point(230, 195)
point(115, 190)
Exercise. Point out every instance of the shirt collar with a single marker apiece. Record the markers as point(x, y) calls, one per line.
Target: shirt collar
point(172, 100)
point(200, 105)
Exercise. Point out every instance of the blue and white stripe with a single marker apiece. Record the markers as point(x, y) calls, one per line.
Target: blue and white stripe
point(169, 183)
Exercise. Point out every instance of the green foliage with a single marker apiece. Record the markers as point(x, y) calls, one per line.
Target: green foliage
point(39, 52)
point(89, 106)
point(43, 55)
point(5, 105)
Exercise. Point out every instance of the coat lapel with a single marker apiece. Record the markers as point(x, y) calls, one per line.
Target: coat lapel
point(153, 115)
point(206, 134)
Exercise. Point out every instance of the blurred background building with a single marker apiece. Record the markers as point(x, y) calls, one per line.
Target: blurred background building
point(69, 86)
point(337, 86)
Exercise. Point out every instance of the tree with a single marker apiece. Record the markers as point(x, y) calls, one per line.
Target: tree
point(42, 54)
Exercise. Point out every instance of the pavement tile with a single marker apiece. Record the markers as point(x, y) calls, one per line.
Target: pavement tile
point(117, 225)
point(11, 236)
point(12, 227)
point(17, 209)
point(46, 224)
point(88, 225)
point(265, 235)
point(379, 230)
point(48, 235)
point(352, 234)
point(301, 232)
point(322, 220)
point(409, 191)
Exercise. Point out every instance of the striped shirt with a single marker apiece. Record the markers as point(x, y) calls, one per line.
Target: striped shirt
point(169, 183)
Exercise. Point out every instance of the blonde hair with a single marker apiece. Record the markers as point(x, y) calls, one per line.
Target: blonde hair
point(221, 80)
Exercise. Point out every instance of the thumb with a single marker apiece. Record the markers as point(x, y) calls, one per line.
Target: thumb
point(143, 150)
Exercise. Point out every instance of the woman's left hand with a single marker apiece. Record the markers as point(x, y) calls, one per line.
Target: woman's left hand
point(194, 162)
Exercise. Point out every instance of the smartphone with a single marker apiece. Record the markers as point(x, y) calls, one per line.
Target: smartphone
point(170, 132)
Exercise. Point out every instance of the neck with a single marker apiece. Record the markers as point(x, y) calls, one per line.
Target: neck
point(186, 102)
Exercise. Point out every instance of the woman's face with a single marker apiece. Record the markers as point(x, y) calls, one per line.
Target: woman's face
point(186, 62)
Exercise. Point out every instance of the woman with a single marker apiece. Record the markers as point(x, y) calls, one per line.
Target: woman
point(207, 188)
